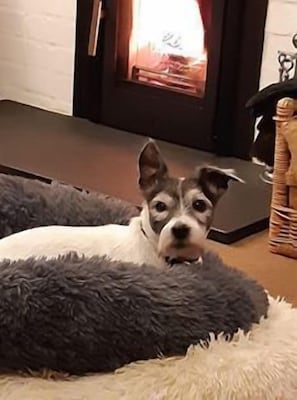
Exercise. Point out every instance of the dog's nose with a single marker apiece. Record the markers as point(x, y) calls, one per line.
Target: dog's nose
point(180, 231)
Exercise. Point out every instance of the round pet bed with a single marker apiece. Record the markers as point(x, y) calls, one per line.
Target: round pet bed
point(80, 315)
point(259, 365)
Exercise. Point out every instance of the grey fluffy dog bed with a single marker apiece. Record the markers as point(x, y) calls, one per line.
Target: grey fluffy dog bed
point(85, 315)
point(26, 203)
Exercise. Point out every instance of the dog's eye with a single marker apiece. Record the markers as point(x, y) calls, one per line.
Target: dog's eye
point(160, 206)
point(199, 205)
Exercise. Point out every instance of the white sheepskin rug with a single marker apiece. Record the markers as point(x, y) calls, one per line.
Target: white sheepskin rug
point(259, 366)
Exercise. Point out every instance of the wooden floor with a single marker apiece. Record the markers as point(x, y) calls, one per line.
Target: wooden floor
point(278, 274)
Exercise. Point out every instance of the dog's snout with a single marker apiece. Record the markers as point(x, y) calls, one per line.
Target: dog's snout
point(180, 231)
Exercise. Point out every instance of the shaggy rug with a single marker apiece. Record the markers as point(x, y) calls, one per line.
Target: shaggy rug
point(259, 365)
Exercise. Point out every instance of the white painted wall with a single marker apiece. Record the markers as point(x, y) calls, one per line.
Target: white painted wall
point(37, 44)
point(281, 25)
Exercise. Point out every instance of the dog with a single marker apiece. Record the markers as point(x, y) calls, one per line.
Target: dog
point(172, 227)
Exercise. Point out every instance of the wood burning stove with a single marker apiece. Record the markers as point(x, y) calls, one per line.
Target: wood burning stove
point(176, 70)
point(163, 45)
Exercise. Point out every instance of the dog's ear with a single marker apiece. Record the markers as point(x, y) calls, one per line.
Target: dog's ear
point(215, 181)
point(151, 166)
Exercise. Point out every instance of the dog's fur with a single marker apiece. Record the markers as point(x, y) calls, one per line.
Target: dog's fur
point(175, 220)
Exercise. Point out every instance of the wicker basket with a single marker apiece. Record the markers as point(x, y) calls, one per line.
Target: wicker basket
point(283, 219)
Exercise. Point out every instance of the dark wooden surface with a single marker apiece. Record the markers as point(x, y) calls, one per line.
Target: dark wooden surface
point(96, 157)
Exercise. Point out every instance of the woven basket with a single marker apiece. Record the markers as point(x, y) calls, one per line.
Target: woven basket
point(283, 219)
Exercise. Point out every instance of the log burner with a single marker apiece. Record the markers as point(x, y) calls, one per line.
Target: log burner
point(166, 45)
point(176, 70)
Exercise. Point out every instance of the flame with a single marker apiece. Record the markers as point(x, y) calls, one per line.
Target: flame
point(167, 27)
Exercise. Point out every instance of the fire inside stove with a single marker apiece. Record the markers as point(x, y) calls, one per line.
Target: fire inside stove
point(167, 47)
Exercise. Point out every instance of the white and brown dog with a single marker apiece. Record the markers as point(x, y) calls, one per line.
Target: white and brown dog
point(172, 226)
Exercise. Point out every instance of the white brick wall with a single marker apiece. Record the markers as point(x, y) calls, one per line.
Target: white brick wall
point(281, 24)
point(37, 44)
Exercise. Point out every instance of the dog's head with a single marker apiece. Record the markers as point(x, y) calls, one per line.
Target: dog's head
point(179, 210)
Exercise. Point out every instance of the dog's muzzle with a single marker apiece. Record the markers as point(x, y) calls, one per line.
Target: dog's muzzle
point(182, 240)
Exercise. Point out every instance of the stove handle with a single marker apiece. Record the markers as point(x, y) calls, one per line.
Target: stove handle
point(97, 16)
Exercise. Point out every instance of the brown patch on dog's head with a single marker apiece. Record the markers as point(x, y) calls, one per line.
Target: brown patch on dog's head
point(214, 181)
